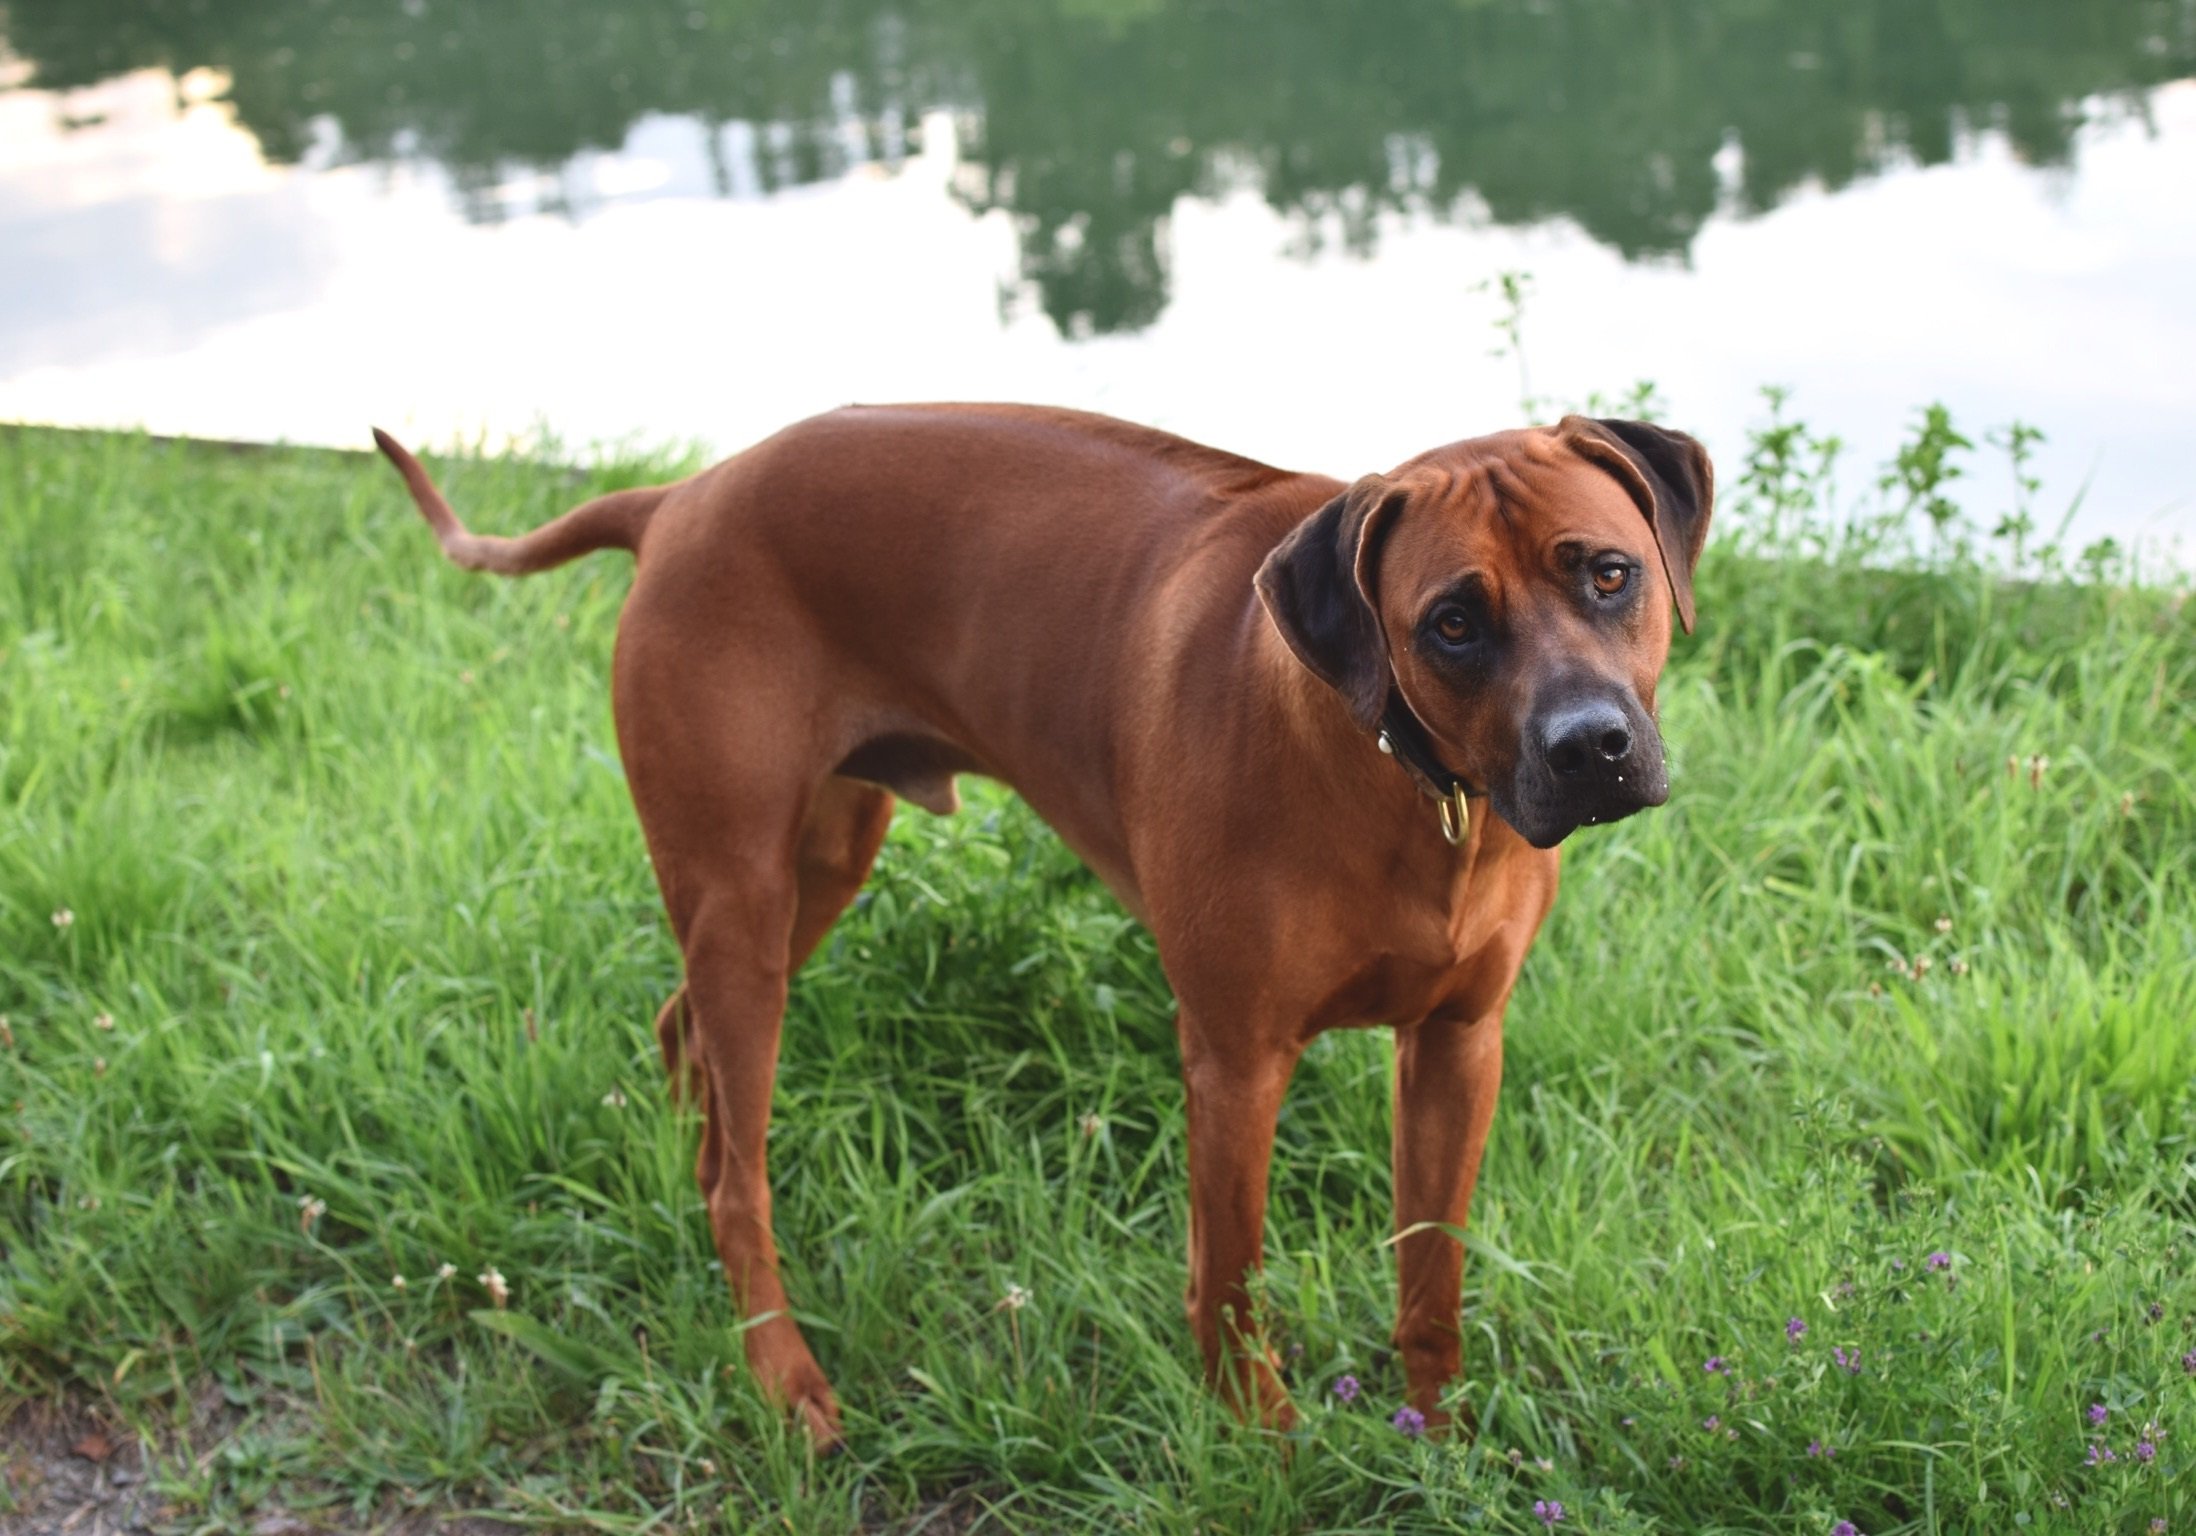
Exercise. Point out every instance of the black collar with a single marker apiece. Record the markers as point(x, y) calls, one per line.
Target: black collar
point(1404, 737)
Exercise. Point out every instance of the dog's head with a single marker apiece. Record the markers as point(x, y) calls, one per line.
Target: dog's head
point(1516, 589)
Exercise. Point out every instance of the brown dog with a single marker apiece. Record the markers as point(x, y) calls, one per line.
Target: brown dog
point(1255, 702)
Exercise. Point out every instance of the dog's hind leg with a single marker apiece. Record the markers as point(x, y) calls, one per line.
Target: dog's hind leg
point(674, 1038)
point(737, 946)
point(839, 842)
point(724, 785)
point(846, 826)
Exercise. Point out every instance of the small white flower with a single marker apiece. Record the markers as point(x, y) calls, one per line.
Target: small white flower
point(1091, 1124)
point(309, 1210)
point(398, 1282)
point(492, 1281)
point(614, 1099)
point(446, 1271)
point(1016, 1297)
point(103, 1021)
point(62, 917)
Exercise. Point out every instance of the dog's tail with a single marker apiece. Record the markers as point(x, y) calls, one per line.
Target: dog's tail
point(615, 521)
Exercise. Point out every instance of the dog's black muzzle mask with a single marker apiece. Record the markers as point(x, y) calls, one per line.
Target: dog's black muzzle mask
point(1588, 753)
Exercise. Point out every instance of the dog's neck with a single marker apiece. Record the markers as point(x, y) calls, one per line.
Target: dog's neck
point(1404, 737)
point(1397, 764)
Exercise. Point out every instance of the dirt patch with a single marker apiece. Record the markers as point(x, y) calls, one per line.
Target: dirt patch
point(67, 1470)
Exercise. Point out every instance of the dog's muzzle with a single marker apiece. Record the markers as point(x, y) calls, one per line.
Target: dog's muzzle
point(1587, 758)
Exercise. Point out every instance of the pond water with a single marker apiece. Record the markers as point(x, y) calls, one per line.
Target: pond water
point(1280, 227)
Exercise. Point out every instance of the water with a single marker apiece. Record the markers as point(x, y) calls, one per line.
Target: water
point(1271, 226)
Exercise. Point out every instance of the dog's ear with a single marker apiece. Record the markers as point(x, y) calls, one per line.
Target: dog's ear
point(1318, 586)
point(1670, 477)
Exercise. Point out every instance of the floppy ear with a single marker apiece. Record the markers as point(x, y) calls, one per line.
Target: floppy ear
point(1317, 586)
point(1670, 477)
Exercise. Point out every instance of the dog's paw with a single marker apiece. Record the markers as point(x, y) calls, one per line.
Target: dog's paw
point(816, 1410)
point(789, 1376)
point(1254, 1392)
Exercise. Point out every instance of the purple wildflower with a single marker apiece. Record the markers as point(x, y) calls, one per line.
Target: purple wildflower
point(2156, 1311)
point(2098, 1413)
point(1817, 1448)
point(2188, 1362)
point(1549, 1510)
point(1712, 1423)
point(1410, 1421)
point(1849, 1363)
point(1715, 1365)
point(2158, 1526)
point(1939, 1260)
point(1795, 1329)
point(2145, 1451)
point(2099, 1455)
point(1845, 1528)
point(1898, 1264)
point(1345, 1389)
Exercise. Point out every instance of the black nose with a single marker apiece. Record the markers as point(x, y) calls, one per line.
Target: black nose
point(1584, 738)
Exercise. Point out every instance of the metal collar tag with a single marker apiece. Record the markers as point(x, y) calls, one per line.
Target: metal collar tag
point(1456, 816)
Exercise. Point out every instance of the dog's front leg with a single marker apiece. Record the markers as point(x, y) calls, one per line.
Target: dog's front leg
point(1447, 1071)
point(1235, 1091)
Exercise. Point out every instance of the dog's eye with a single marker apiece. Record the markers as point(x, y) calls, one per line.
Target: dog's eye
point(1611, 577)
point(1453, 625)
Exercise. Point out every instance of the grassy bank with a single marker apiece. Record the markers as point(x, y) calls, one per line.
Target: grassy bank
point(328, 953)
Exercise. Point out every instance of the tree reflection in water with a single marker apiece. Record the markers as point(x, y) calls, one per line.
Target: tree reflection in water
point(1087, 119)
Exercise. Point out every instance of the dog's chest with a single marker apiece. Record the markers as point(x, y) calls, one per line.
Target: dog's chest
point(1451, 947)
point(1429, 968)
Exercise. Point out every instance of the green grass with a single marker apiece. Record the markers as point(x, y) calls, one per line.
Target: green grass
point(353, 876)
